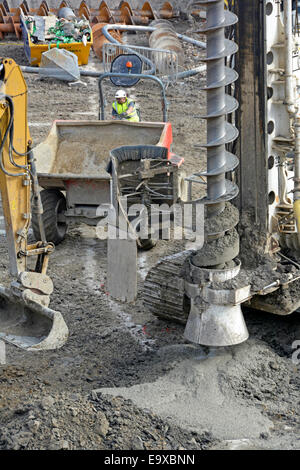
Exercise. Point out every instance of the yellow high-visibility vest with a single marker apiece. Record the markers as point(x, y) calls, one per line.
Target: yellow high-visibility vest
point(122, 108)
point(226, 3)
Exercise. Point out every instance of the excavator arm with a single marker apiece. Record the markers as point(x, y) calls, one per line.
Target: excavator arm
point(25, 319)
point(15, 191)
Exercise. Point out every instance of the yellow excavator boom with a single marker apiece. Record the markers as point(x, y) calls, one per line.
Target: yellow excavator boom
point(25, 319)
point(15, 191)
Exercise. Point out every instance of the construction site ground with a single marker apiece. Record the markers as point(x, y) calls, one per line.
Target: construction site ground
point(124, 379)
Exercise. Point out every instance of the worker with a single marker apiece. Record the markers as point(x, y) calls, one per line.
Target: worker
point(124, 108)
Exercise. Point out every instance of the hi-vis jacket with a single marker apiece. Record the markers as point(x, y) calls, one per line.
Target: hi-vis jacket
point(119, 108)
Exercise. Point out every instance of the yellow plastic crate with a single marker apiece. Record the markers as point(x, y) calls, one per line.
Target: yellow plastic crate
point(34, 52)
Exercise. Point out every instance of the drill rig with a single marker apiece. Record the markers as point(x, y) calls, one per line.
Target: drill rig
point(252, 216)
point(25, 319)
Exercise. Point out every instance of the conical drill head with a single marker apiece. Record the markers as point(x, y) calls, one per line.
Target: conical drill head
point(218, 325)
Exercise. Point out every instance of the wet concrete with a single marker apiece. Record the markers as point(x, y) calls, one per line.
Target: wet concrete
point(192, 394)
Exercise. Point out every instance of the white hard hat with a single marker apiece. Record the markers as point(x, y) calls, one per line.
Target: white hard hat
point(120, 94)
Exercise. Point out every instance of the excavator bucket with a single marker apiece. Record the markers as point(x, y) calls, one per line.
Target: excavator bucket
point(28, 324)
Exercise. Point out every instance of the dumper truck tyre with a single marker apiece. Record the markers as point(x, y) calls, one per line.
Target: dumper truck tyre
point(146, 243)
point(55, 224)
point(182, 186)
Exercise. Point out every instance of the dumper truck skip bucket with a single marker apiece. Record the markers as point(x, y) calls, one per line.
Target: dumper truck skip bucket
point(29, 325)
point(34, 52)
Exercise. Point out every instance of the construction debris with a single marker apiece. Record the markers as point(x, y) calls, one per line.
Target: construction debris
point(41, 33)
point(52, 30)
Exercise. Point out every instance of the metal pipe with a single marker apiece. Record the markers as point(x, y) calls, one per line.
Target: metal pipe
point(93, 74)
point(189, 40)
point(288, 31)
point(112, 40)
point(186, 73)
point(296, 107)
point(292, 108)
point(84, 73)
point(297, 158)
point(145, 29)
point(37, 205)
point(2, 352)
point(296, 191)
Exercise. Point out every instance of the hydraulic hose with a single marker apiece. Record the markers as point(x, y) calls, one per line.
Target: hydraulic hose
point(9, 132)
point(11, 135)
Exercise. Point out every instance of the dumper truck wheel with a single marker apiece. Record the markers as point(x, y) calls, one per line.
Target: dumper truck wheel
point(55, 224)
point(146, 244)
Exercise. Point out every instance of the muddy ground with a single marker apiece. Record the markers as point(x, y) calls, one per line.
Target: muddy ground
point(126, 380)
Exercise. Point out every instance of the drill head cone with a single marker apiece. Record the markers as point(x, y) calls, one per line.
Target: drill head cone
point(217, 325)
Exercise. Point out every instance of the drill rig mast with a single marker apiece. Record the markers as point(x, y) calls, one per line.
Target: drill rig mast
point(204, 289)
